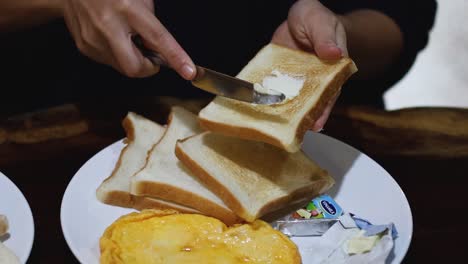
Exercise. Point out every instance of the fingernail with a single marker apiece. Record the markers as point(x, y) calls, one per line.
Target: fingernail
point(188, 71)
point(335, 46)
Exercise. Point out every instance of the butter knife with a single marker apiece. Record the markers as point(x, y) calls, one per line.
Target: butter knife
point(217, 83)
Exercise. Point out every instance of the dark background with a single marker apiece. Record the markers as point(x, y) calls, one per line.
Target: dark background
point(41, 66)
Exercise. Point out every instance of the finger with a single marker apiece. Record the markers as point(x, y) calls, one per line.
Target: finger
point(320, 123)
point(159, 39)
point(93, 45)
point(316, 27)
point(283, 37)
point(341, 40)
point(128, 59)
point(322, 34)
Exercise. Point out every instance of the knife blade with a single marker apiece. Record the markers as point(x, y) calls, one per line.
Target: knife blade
point(217, 83)
point(224, 85)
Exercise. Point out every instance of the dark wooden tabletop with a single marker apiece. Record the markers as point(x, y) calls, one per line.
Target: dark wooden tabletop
point(425, 150)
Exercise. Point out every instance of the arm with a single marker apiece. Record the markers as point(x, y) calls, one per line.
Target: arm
point(374, 41)
point(103, 30)
point(16, 14)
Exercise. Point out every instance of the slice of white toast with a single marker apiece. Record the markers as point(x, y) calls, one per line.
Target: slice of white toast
point(165, 177)
point(283, 124)
point(252, 178)
point(142, 134)
point(3, 225)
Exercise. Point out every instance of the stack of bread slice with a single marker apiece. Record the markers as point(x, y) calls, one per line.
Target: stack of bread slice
point(142, 135)
point(235, 161)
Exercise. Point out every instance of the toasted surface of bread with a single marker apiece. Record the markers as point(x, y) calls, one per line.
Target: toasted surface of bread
point(3, 225)
point(165, 177)
point(153, 236)
point(252, 178)
point(142, 134)
point(283, 124)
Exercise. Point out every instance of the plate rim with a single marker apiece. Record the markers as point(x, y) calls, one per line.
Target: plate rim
point(30, 242)
point(66, 235)
point(400, 190)
point(121, 141)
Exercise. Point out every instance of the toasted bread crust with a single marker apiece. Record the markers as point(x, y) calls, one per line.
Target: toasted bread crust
point(305, 193)
point(3, 225)
point(125, 199)
point(331, 91)
point(234, 204)
point(129, 128)
point(103, 196)
point(240, 132)
point(130, 132)
point(181, 196)
point(219, 189)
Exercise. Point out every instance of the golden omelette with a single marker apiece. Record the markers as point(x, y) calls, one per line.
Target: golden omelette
point(154, 236)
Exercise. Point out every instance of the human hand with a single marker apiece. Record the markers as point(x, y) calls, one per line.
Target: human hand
point(103, 30)
point(314, 28)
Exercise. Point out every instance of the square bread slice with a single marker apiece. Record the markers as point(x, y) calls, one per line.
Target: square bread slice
point(283, 124)
point(165, 177)
point(252, 178)
point(3, 225)
point(142, 134)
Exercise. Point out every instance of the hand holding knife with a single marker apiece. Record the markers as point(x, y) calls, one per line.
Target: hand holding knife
point(215, 82)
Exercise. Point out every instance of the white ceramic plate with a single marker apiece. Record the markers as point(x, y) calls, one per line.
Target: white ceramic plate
point(362, 187)
point(20, 235)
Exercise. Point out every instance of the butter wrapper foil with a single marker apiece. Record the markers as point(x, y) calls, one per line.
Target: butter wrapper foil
point(314, 219)
point(303, 227)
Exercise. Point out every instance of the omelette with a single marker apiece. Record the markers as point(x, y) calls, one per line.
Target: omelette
point(155, 236)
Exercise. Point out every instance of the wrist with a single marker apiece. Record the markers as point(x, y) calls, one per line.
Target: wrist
point(56, 7)
point(53, 7)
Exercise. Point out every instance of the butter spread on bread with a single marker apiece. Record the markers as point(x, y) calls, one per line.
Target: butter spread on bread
point(278, 83)
point(142, 134)
point(165, 177)
point(283, 124)
point(252, 178)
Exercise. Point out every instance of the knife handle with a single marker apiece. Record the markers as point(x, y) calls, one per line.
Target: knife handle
point(153, 56)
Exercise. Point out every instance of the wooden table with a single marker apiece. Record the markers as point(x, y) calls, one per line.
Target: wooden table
point(425, 150)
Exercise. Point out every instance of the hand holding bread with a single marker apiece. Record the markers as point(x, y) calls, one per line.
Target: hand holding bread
point(314, 28)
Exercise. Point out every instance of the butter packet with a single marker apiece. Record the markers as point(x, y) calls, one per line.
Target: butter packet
point(321, 207)
point(314, 219)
